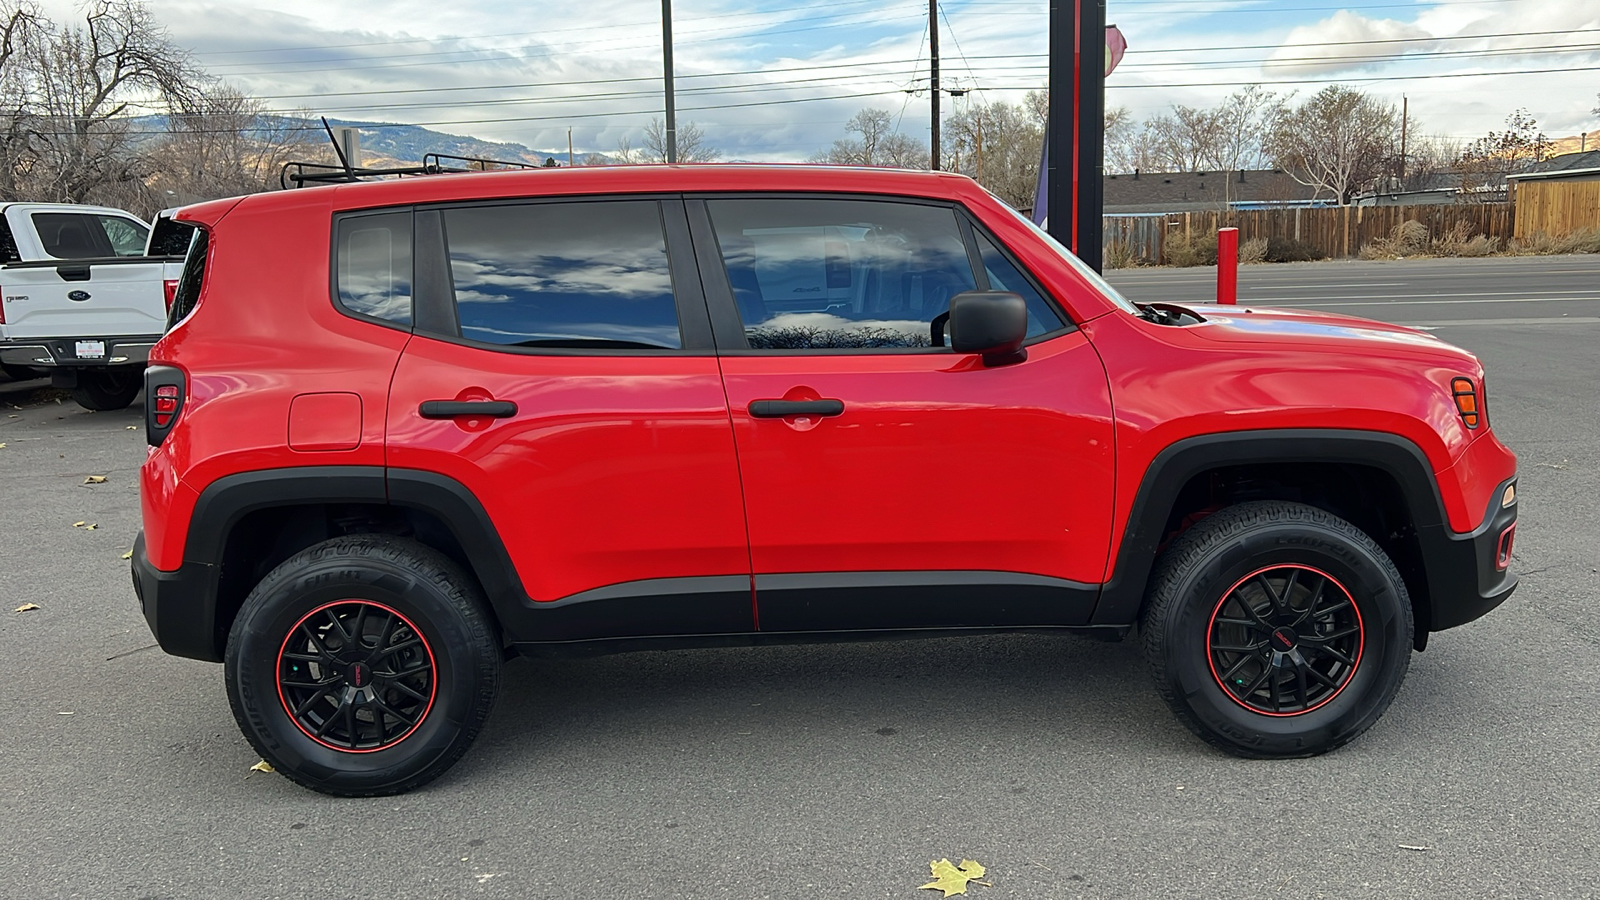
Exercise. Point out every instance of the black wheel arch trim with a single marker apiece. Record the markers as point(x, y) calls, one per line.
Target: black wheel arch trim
point(1462, 582)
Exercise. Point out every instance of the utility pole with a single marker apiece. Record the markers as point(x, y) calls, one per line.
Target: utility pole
point(666, 60)
point(569, 146)
point(1405, 120)
point(933, 54)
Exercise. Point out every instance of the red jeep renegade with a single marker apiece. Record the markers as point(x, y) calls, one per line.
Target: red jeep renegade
point(400, 429)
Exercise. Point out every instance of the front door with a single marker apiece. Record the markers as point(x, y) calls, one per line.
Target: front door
point(890, 483)
point(562, 371)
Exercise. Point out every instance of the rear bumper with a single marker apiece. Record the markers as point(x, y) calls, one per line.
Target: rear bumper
point(123, 350)
point(178, 606)
point(1465, 580)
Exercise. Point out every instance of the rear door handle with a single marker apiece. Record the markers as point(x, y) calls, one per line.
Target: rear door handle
point(449, 409)
point(777, 409)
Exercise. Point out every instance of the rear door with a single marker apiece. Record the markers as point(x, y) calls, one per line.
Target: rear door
point(915, 487)
point(96, 282)
point(562, 370)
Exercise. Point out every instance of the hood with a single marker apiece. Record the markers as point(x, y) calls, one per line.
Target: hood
point(1251, 325)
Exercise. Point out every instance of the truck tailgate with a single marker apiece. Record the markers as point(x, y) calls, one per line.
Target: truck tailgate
point(87, 298)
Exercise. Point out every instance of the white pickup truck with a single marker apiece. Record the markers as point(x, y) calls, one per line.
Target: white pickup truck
point(80, 299)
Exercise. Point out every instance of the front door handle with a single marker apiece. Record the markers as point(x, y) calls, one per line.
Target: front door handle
point(449, 409)
point(778, 409)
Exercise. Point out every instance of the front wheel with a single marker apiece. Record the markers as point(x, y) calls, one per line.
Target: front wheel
point(1276, 629)
point(362, 666)
point(107, 389)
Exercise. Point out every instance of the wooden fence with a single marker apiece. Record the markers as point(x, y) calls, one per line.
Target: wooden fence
point(1335, 231)
point(1557, 208)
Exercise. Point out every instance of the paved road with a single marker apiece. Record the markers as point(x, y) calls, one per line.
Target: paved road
point(1562, 290)
point(835, 771)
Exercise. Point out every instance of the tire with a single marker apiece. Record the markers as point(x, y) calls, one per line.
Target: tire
point(393, 719)
point(107, 389)
point(1240, 577)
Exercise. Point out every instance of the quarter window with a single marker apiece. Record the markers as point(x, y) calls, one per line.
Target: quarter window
point(840, 274)
point(587, 275)
point(1003, 276)
point(374, 265)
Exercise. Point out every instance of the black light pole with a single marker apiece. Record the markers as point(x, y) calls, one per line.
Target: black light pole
point(666, 59)
point(1075, 194)
point(933, 55)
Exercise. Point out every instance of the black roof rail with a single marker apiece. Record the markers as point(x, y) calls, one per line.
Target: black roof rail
point(300, 174)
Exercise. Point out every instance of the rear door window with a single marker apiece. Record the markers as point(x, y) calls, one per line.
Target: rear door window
point(587, 275)
point(169, 237)
point(89, 235)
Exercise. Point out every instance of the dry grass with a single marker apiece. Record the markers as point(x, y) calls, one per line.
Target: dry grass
point(1253, 251)
point(1191, 250)
point(1121, 255)
point(1585, 240)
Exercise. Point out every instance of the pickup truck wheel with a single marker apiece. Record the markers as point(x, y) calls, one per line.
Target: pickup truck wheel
point(363, 666)
point(108, 389)
point(1276, 629)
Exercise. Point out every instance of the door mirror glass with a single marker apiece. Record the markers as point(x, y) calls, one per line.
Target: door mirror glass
point(993, 323)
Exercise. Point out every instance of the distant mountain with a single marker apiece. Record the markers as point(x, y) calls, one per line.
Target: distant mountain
point(409, 143)
point(1589, 141)
point(387, 143)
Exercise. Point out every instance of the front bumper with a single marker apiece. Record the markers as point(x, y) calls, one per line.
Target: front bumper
point(179, 606)
point(1465, 580)
point(124, 350)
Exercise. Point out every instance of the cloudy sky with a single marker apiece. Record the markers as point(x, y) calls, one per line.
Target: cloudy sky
point(777, 79)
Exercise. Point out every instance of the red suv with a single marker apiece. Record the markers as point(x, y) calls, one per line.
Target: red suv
point(400, 430)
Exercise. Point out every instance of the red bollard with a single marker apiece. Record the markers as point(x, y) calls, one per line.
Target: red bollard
point(1228, 266)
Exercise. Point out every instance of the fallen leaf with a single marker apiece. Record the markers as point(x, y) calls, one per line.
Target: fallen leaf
point(28, 606)
point(90, 527)
point(2, 445)
point(1416, 847)
point(79, 524)
point(95, 479)
point(262, 766)
point(63, 713)
point(953, 879)
point(128, 555)
point(133, 428)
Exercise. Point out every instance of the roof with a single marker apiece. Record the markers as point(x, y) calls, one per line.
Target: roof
point(1563, 166)
point(1177, 191)
point(591, 180)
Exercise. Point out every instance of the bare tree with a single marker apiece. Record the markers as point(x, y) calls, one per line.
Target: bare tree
point(1489, 159)
point(1339, 140)
point(1242, 123)
point(879, 144)
point(227, 145)
point(78, 85)
point(997, 144)
point(691, 143)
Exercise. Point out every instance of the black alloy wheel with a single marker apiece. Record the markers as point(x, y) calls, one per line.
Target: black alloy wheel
point(356, 675)
point(1277, 629)
point(1285, 640)
point(364, 665)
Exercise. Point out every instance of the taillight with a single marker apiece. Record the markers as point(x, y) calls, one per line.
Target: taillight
point(164, 393)
point(1467, 401)
point(170, 286)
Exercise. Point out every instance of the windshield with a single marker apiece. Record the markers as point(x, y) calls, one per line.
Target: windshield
point(1077, 264)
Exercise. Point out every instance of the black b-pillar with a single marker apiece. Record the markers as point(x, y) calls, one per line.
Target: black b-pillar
point(1075, 198)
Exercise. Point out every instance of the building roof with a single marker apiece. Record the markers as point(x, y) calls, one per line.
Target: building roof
point(1565, 165)
point(1180, 191)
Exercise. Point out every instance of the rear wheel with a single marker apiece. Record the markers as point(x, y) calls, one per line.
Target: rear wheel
point(108, 389)
point(362, 666)
point(1276, 629)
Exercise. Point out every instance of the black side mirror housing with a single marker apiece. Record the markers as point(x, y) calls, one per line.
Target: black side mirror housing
point(993, 323)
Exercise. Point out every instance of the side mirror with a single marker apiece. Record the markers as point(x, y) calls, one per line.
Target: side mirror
point(993, 323)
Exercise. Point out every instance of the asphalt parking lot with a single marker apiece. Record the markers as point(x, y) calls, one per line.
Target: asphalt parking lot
point(842, 770)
